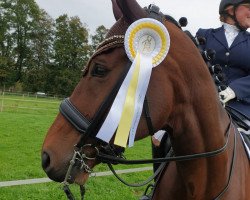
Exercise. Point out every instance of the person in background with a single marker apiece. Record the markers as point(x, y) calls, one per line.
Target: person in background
point(231, 42)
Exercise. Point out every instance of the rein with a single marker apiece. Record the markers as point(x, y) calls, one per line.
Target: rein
point(104, 158)
point(116, 159)
point(231, 168)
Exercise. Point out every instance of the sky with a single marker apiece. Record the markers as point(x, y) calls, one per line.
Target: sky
point(93, 13)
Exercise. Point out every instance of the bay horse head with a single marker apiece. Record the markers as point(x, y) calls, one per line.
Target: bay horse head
point(181, 95)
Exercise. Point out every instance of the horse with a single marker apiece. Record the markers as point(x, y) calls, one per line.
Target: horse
point(181, 96)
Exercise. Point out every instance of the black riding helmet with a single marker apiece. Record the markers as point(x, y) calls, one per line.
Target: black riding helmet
point(235, 3)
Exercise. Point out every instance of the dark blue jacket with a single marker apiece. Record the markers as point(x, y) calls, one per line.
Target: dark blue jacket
point(235, 62)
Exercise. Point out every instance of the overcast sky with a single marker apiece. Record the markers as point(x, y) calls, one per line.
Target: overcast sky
point(200, 13)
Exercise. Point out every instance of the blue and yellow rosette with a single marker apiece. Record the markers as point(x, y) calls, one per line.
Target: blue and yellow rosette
point(147, 43)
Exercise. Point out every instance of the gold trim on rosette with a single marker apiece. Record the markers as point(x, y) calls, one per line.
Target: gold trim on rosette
point(147, 43)
point(148, 37)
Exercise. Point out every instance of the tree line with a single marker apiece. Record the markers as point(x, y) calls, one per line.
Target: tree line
point(38, 53)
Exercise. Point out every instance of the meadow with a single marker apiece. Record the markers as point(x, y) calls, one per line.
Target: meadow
point(24, 122)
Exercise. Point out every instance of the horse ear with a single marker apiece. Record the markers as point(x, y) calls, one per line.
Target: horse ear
point(116, 10)
point(131, 10)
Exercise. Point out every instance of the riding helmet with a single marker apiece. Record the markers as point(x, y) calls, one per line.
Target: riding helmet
point(225, 3)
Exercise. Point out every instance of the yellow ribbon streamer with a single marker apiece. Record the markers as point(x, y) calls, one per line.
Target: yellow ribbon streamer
point(123, 129)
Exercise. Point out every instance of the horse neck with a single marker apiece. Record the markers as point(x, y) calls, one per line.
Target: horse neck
point(202, 123)
point(196, 109)
point(199, 125)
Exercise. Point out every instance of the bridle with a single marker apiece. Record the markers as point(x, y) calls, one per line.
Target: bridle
point(108, 153)
point(88, 129)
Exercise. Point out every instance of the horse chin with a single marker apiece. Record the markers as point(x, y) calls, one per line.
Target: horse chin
point(81, 178)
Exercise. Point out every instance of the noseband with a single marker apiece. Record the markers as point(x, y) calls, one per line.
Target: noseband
point(81, 123)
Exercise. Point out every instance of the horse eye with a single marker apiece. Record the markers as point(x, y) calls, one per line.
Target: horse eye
point(99, 71)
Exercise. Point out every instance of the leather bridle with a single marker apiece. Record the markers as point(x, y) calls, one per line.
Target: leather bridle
point(107, 153)
point(110, 154)
point(89, 129)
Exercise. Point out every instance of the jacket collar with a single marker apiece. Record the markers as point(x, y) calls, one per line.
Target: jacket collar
point(219, 35)
point(241, 37)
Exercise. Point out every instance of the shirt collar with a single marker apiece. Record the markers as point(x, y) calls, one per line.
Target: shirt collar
point(230, 28)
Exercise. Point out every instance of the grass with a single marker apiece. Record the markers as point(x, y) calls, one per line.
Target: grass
point(98, 188)
point(28, 105)
point(21, 138)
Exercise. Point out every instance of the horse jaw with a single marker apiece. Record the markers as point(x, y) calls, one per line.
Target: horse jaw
point(81, 178)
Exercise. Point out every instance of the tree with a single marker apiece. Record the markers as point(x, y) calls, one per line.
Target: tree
point(25, 15)
point(71, 43)
point(19, 21)
point(65, 82)
point(26, 38)
point(71, 52)
point(41, 45)
point(41, 54)
point(41, 41)
point(98, 37)
point(6, 45)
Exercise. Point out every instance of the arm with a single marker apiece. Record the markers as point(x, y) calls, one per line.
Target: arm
point(241, 87)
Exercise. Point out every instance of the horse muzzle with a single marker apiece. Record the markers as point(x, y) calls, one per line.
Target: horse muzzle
point(79, 165)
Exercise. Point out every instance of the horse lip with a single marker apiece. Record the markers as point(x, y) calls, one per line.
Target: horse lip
point(58, 175)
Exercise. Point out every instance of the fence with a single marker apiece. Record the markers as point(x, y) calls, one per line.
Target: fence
point(29, 103)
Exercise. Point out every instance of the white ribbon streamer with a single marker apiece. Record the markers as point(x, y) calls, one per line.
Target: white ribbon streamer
point(112, 120)
point(144, 78)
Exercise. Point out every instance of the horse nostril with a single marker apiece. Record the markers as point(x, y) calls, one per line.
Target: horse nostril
point(45, 160)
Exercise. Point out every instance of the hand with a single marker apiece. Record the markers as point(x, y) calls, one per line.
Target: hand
point(226, 95)
point(157, 137)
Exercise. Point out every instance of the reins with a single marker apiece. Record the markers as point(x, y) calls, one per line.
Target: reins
point(231, 169)
point(156, 173)
point(114, 160)
point(111, 159)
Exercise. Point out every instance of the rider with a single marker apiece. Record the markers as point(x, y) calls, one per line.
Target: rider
point(232, 45)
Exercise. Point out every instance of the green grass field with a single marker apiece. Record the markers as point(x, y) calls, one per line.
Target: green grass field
point(24, 122)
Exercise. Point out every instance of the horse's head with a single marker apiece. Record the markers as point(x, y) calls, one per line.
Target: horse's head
point(100, 80)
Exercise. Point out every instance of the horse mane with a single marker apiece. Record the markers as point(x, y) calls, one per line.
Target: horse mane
point(172, 20)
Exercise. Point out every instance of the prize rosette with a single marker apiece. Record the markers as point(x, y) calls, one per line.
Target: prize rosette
point(148, 37)
point(147, 44)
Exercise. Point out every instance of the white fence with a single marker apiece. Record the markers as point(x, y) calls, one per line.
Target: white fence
point(97, 174)
point(28, 103)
